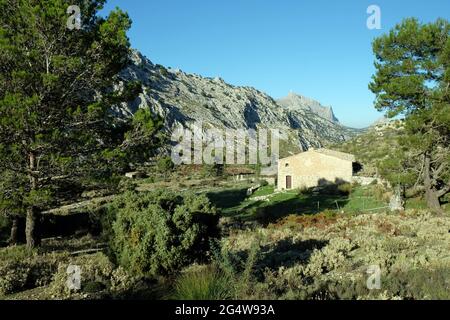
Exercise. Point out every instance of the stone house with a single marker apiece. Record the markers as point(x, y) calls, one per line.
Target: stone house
point(315, 167)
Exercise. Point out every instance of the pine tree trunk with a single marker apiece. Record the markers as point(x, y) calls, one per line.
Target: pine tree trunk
point(31, 228)
point(433, 201)
point(13, 238)
point(431, 195)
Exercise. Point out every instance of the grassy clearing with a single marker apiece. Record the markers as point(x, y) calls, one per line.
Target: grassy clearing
point(363, 199)
point(266, 205)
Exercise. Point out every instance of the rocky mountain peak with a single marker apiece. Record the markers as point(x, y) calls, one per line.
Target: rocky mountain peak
point(296, 101)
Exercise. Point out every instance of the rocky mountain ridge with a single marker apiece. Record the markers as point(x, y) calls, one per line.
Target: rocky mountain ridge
point(184, 99)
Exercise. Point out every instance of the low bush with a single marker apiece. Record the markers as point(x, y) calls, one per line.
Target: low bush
point(304, 191)
point(22, 269)
point(229, 276)
point(123, 282)
point(202, 283)
point(379, 192)
point(96, 272)
point(15, 253)
point(238, 268)
point(165, 165)
point(299, 222)
point(161, 232)
point(127, 184)
point(13, 277)
point(419, 284)
point(345, 188)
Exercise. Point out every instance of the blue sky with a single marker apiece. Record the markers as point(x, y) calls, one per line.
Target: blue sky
point(318, 48)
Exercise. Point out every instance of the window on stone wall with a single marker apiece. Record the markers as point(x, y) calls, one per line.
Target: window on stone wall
point(286, 165)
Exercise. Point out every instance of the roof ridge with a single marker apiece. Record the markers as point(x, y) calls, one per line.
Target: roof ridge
point(337, 154)
point(328, 152)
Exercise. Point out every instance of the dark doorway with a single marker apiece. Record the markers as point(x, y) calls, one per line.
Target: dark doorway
point(288, 182)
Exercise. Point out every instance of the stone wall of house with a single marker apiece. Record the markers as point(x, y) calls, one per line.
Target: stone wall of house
point(310, 169)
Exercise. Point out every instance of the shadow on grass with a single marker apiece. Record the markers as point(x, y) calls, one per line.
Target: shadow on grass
point(235, 203)
point(300, 205)
point(228, 198)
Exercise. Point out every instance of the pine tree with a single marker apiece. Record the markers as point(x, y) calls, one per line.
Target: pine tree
point(57, 87)
point(413, 80)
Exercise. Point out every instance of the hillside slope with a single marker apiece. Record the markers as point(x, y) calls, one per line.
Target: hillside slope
point(373, 146)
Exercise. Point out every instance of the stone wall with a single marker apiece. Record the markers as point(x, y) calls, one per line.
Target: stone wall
point(365, 181)
point(245, 177)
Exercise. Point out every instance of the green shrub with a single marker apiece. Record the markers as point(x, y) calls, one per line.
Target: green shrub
point(99, 280)
point(43, 268)
point(304, 191)
point(165, 165)
point(127, 184)
point(93, 287)
point(342, 189)
point(123, 282)
point(96, 272)
point(328, 213)
point(345, 188)
point(22, 269)
point(13, 277)
point(160, 232)
point(151, 179)
point(202, 283)
point(215, 170)
point(15, 253)
point(238, 268)
point(163, 70)
point(379, 192)
point(420, 284)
